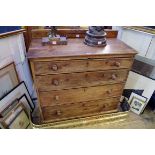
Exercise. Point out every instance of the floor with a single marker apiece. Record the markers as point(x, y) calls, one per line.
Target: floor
point(133, 121)
point(125, 121)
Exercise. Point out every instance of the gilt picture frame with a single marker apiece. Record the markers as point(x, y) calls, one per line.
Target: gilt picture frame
point(17, 118)
point(8, 108)
point(22, 100)
point(8, 79)
point(25, 101)
point(16, 93)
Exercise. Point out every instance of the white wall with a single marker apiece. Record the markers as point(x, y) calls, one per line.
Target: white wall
point(151, 51)
point(12, 49)
point(142, 42)
point(136, 81)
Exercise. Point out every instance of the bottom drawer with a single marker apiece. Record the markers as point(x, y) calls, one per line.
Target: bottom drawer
point(74, 110)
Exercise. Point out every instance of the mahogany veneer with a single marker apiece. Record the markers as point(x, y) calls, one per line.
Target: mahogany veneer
point(76, 80)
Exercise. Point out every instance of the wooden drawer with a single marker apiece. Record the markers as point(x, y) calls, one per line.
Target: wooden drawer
point(77, 80)
point(67, 111)
point(50, 98)
point(68, 66)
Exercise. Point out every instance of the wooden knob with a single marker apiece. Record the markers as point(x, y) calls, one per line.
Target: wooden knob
point(87, 63)
point(114, 76)
point(56, 97)
point(109, 91)
point(58, 112)
point(83, 104)
point(54, 67)
point(107, 61)
point(117, 64)
point(103, 107)
point(55, 82)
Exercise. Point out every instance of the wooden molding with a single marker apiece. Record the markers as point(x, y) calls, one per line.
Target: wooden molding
point(7, 34)
point(140, 29)
point(70, 33)
point(28, 36)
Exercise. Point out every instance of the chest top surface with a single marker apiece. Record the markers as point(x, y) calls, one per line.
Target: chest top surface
point(76, 47)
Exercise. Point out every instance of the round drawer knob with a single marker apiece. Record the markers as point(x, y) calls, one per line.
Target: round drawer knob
point(117, 64)
point(54, 67)
point(55, 82)
point(109, 91)
point(103, 107)
point(58, 112)
point(57, 98)
point(114, 76)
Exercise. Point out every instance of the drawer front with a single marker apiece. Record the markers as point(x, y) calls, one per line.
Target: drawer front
point(50, 98)
point(77, 80)
point(54, 67)
point(78, 109)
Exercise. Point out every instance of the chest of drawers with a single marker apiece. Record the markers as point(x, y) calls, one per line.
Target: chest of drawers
point(76, 80)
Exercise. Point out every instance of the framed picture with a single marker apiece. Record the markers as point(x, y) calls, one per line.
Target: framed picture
point(17, 118)
point(137, 98)
point(16, 93)
point(137, 105)
point(8, 108)
point(24, 100)
point(144, 99)
point(20, 122)
point(8, 79)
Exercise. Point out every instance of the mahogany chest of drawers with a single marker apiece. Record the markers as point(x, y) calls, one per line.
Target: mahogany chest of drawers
point(76, 80)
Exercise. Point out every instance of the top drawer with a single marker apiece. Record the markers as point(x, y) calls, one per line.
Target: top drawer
point(68, 66)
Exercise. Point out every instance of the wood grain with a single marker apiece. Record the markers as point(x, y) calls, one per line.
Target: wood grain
point(68, 111)
point(27, 36)
point(54, 67)
point(70, 33)
point(76, 47)
point(77, 80)
point(59, 97)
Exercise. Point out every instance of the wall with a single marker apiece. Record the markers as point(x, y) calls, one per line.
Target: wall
point(138, 82)
point(143, 42)
point(12, 48)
